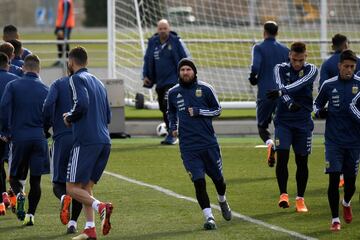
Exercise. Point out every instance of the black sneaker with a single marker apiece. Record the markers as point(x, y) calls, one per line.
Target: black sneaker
point(71, 230)
point(210, 224)
point(20, 206)
point(225, 210)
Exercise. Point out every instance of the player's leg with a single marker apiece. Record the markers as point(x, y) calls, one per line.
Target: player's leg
point(301, 142)
point(67, 33)
point(196, 169)
point(283, 137)
point(334, 157)
point(264, 111)
point(76, 208)
point(162, 100)
point(350, 168)
point(86, 164)
point(34, 198)
point(214, 169)
point(4, 198)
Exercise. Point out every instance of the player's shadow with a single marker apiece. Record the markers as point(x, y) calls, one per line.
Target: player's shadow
point(243, 181)
point(158, 235)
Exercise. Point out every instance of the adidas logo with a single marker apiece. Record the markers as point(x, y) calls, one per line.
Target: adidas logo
point(179, 95)
point(334, 90)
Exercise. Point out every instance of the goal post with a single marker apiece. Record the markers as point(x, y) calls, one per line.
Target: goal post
point(220, 35)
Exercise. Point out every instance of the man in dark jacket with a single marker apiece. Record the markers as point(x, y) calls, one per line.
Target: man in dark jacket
point(165, 50)
point(192, 106)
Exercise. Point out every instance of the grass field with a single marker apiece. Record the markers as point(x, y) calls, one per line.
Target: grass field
point(144, 213)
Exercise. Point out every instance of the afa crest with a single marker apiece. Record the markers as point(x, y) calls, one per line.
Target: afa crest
point(198, 92)
point(277, 142)
point(355, 89)
point(169, 47)
point(327, 164)
point(301, 73)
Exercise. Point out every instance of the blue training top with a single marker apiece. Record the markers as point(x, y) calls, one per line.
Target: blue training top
point(341, 128)
point(57, 102)
point(90, 113)
point(265, 56)
point(161, 59)
point(21, 107)
point(296, 87)
point(197, 132)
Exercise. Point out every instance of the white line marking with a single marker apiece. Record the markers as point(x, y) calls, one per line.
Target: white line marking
point(235, 214)
point(261, 146)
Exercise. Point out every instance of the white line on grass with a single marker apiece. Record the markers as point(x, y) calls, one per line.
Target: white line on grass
point(235, 214)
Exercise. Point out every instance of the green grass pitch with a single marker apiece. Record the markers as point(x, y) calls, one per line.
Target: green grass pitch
point(143, 213)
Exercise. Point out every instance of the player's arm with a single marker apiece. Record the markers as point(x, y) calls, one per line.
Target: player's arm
point(5, 110)
point(310, 74)
point(255, 66)
point(80, 99)
point(49, 106)
point(183, 50)
point(354, 107)
point(147, 78)
point(214, 108)
point(323, 75)
point(172, 113)
point(108, 110)
point(320, 102)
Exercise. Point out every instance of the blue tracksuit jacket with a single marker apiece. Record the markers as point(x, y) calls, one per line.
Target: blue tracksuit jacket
point(330, 68)
point(197, 132)
point(161, 60)
point(90, 113)
point(265, 56)
point(341, 128)
point(21, 106)
point(57, 102)
point(296, 86)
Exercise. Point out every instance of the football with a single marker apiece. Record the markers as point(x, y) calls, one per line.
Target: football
point(161, 130)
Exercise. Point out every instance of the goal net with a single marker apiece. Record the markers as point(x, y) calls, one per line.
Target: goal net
point(220, 35)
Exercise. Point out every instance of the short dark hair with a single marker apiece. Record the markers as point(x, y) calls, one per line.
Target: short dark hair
point(17, 46)
point(4, 60)
point(348, 55)
point(271, 28)
point(7, 48)
point(32, 62)
point(338, 40)
point(79, 55)
point(298, 47)
point(9, 29)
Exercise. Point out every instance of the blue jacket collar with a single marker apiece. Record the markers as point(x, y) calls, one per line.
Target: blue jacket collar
point(81, 70)
point(31, 74)
point(3, 70)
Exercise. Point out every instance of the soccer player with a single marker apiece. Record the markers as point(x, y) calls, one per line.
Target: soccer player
point(293, 122)
point(56, 103)
point(17, 61)
point(9, 50)
point(265, 56)
point(89, 118)
point(10, 32)
point(330, 68)
point(5, 77)
point(22, 122)
point(192, 105)
point(165, 50)
point(65, 22)
point(342, 134)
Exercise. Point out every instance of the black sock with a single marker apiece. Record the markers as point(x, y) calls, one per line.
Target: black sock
point(349, 187)
point(75, 210)
point(201, 194)
point(15, 184)
point(282, 173)
point(2, 180)
point(302, 173)
point(220, 186)
point(59, 189)
point(34, 194)
point(264, 133)
point(333, 194)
